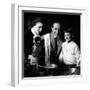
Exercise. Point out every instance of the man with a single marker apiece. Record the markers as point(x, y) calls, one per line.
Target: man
point(35, 46)
point(52, 45)
point(35, 32)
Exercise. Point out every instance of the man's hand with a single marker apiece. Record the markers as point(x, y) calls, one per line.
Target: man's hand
point(78, 64)
point(33, 60)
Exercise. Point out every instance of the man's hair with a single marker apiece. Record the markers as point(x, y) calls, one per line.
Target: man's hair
point(56, 23)
point(35, 21)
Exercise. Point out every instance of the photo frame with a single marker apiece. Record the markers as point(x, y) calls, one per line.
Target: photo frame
point(17, 37)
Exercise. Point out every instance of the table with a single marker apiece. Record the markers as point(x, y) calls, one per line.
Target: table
point(49, 69)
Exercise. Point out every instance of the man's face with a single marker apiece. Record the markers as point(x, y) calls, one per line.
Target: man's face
point(55, 29)
point(67, 36)
point(38, 28)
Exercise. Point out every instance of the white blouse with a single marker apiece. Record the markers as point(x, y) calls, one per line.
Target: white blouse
point(70, 53)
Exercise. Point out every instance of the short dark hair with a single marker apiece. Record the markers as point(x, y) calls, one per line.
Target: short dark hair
point(68, 30)
point(35, 21)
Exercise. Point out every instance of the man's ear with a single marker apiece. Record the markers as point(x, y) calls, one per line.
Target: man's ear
point(51, 28)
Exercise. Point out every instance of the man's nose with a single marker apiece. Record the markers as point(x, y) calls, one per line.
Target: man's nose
point(54, 31)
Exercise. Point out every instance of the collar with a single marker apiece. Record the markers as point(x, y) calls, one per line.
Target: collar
point(33, 32)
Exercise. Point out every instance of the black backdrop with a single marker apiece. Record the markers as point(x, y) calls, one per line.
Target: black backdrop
point(66, 20)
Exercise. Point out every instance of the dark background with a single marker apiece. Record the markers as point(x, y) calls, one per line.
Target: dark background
point(66, 20)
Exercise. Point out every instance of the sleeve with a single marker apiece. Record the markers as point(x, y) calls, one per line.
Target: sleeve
point(77, 54)
point(47, 48)
point(61, 54)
